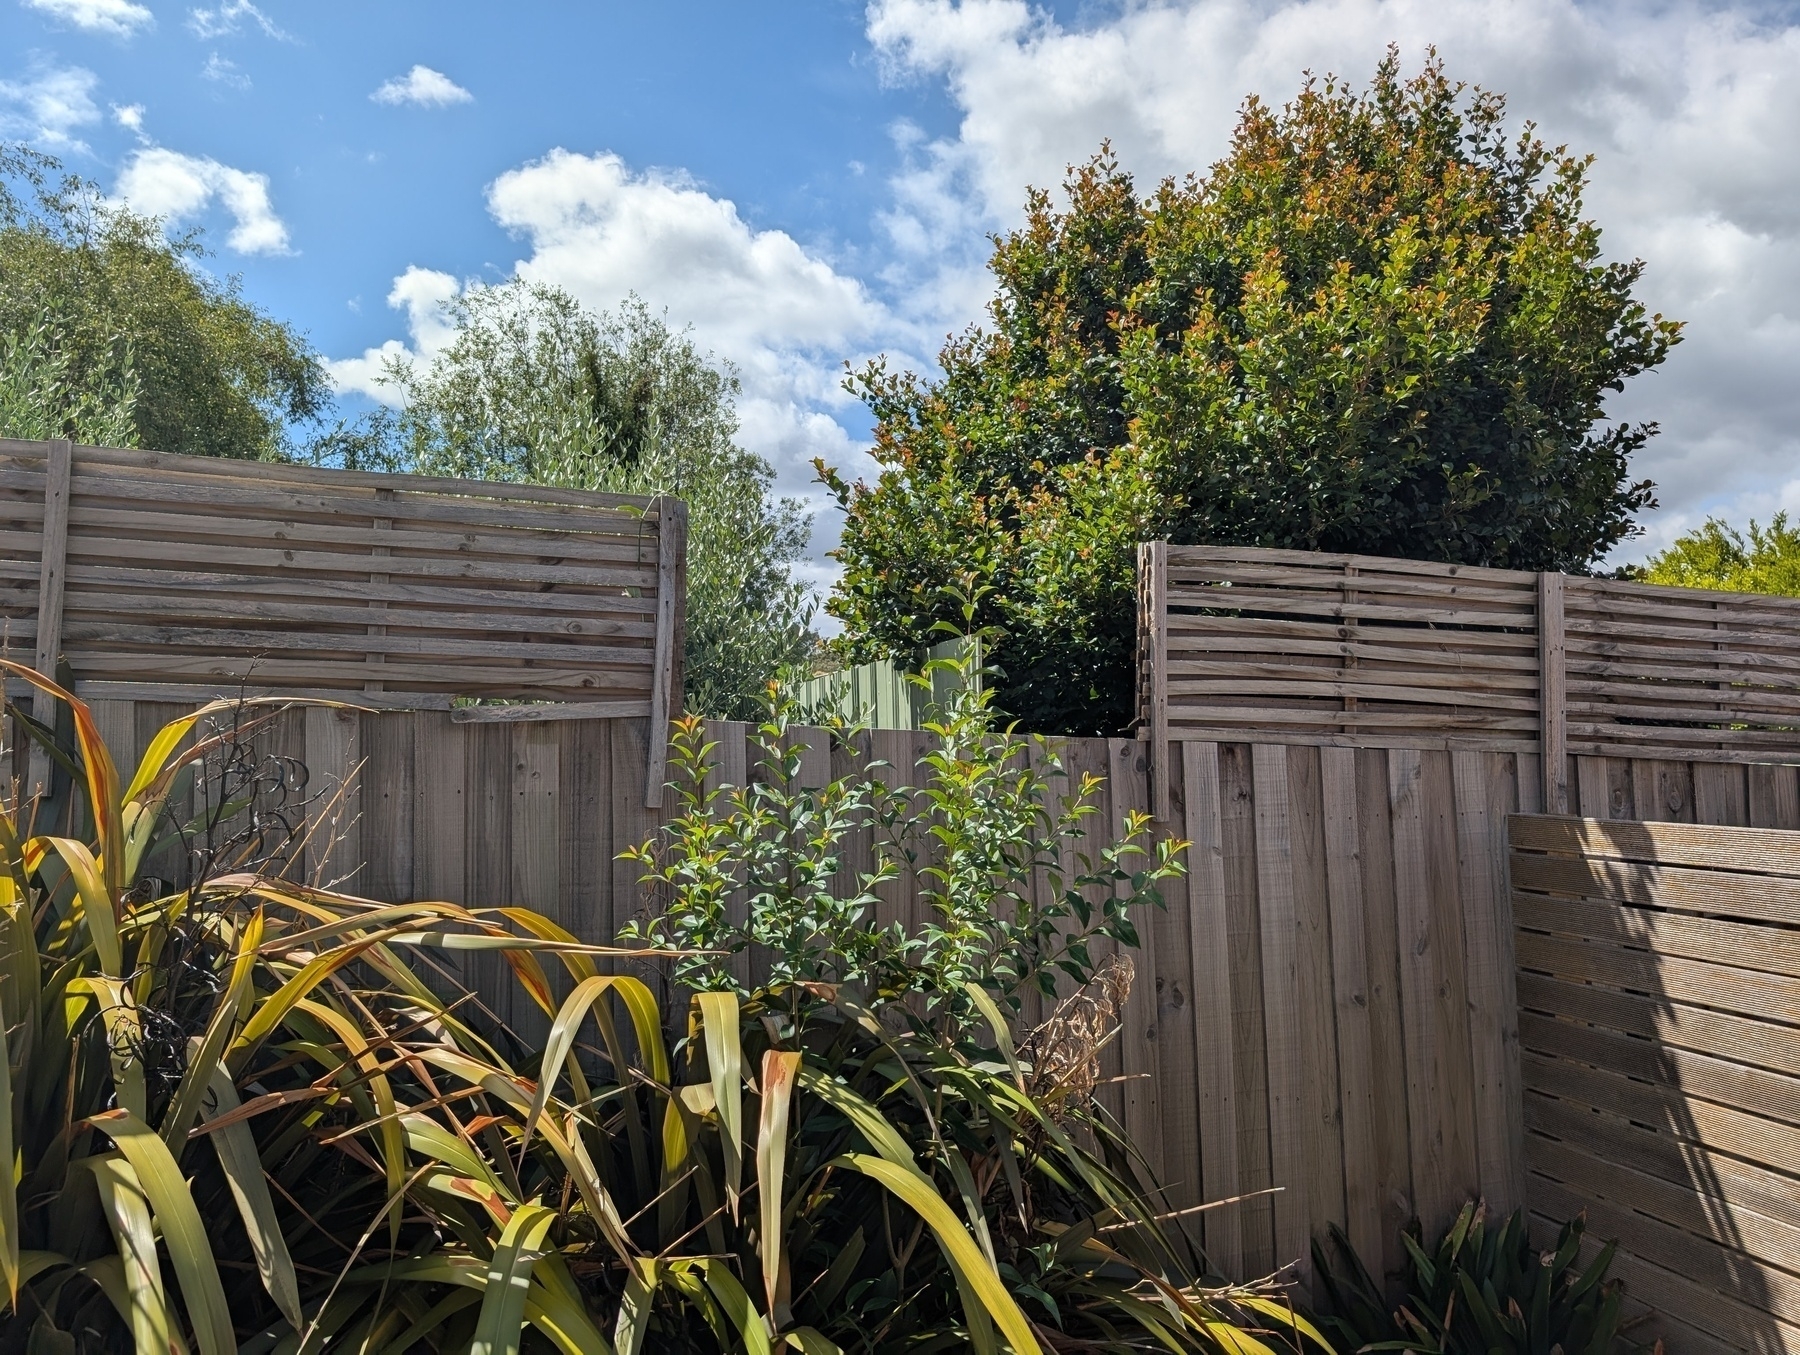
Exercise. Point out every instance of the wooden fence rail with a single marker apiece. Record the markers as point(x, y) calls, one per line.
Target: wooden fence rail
point(1361, 651)
point(1659, 987)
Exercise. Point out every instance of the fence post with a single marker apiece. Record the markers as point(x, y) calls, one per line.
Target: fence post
point(1553, 693)
point(671, 616)
point(1153, 649)
point(53, 553)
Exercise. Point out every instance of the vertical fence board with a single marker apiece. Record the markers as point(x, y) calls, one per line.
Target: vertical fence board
point(1282, 1025)
point(1093, 756)
point(1393, 1129)
point(1720, 796)
point(731, 767)
point(1350, 1000)
point(148, 717)
point(1530, 778)
point(1420, 987)
point(388, 807)
point(1250, 1067)
point(536, 850)
point(584, 769)
point(487, 858)
point(1490, 986)
point(1170, 933)
point(632, 822)
point(116, 722)
point(1322, 1131)
point(1127, 779)
point(1210, 964)
point(536, 817)
point(1456, 1072)
point(1590, 788)
point(334, 852)
point(1504, 788)
point(1774, 797)
point(440, 831)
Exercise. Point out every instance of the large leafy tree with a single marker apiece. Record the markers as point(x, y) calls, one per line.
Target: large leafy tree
point(535, 388)
point(1379, 324)
point(93, 284)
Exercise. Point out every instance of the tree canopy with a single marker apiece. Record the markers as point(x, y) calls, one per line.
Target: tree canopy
point(1717, 555)
point(535, 388)
point(90, 282)
point(1379, 324)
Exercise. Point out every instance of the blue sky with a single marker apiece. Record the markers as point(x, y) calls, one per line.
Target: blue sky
point(813, 182)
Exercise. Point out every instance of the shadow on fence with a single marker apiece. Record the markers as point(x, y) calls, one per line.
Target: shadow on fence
point(1659, 988)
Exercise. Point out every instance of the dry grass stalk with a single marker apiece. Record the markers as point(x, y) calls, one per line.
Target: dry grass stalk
point(1064, 1052)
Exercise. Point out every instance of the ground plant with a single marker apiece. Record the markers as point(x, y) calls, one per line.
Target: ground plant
point(1484, 1290)
point(250, 1114)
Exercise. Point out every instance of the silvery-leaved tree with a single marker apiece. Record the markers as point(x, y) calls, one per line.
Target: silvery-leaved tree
point(535, 388)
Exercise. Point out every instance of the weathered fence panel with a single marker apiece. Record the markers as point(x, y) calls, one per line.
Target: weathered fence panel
point(1659, 987)
point(192, 572)
point(1361, 651)
point(181, 578)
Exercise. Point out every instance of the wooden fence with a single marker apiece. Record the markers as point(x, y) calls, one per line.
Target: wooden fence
point(1362, 651)
point(1326, 1003)
point(187, 577)
point(1323, 1005)
point(1659, 984)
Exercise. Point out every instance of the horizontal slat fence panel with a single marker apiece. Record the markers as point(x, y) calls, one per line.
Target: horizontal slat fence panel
point(1306, 647)
point(1658, 668)
point(1659, 994)
point(196, 573)
point(1369, 649)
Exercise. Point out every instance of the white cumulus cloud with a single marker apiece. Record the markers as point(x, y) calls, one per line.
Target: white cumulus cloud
point(176, 187)
point(421, 293)
point(117, 18)
point(784, 314)
point(424, 87)
point(49, 105)
point(1691, 109)
point(600, 230)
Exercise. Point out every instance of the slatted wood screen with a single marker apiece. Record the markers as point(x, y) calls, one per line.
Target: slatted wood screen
point(199, 574)
point(1349, 649)
point(1677, 672)
point(1660, 992)
point(1361, 651)
point(187, 578)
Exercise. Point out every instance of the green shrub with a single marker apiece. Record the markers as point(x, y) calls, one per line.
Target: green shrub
point(1484, 1291)
point(986, 824)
